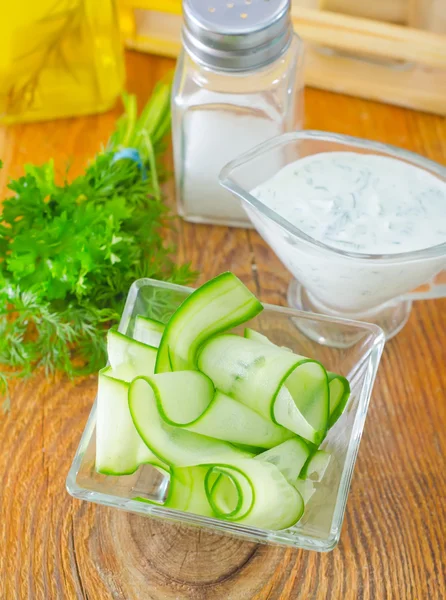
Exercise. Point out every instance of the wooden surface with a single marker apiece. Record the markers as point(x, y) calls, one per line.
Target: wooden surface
point(345, 51)
point(393, 540)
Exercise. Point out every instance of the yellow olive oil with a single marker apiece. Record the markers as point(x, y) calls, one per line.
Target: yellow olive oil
point(58, 58)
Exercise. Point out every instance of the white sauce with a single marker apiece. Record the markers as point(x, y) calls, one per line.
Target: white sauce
point(360, 202)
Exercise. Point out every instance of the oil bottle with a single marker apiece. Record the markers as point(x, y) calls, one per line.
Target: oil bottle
point(59, 58)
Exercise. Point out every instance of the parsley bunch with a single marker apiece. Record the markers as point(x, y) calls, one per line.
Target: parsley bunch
point(70, 252)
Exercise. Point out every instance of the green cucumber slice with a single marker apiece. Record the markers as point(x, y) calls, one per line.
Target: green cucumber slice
point(287, 413)
point(339, 395)
point(186, 491)
point(255, 373)
point(119, 448)
point(338, 385)
point(173, 445)
point(254, 450)
point(306, 489)
point(182, 397)
point(188, 399)
point(316, 466)
point(229, 420)
point(254, 493)
point(128, 357)
point(288, 457)
point(148, 331)
point(218, 305)
point(252, 334)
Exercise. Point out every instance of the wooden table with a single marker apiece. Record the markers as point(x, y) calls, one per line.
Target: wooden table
point(393, 541)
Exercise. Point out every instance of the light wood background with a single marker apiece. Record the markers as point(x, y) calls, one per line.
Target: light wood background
point(393, 541)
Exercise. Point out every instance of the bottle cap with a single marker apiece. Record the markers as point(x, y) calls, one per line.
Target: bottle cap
point(236, 35)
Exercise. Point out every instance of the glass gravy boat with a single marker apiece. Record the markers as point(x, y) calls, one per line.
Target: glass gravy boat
point(374, 288)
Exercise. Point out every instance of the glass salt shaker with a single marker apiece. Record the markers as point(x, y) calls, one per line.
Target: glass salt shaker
point(238, 83)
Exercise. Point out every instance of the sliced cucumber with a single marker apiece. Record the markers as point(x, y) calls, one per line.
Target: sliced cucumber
point(148, 331)
point(254, 493)
point(316, 466)
point(183, 396)
point(202, 406)
point(218, 305)
point(173, 445)
point(254, 373)
point(306, 489)
point(229, 420)
point(254, 450)
point(186, 492)
point(252, 334)
point(188, 399)
point(338, 385)
point(339, 395)
point(128, 357)
point(119, 448)
point(288, 457)
point(287, 413)
point(308, 386)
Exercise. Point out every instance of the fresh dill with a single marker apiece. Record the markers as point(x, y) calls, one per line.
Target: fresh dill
point(70, 252)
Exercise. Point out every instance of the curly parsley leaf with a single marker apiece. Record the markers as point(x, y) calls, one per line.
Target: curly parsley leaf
point(70, 252)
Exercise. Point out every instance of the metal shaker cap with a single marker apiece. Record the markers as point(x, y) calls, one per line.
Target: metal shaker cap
point(236, 35)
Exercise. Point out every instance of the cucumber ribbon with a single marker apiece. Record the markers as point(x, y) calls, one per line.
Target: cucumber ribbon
point(235, 422)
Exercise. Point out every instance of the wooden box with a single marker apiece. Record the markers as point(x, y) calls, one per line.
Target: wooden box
point(388, 50)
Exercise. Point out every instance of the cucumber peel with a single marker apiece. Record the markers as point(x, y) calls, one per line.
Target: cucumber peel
point(188, 400)
point(289, 458)
point(173, 445)
point(218, 305)
point(339, 387)
point(306, 489)
point(254, 493)
point(339, 395)
point(234, 422)
point(132, 357)
point(316, 466)
point(119, 448)
point(186, 492)
point(148, 331)
point(256, 374)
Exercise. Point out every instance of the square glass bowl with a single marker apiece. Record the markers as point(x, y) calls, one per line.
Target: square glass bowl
point(320, 527)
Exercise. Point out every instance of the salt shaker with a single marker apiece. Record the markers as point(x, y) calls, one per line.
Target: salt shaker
point(238, 82)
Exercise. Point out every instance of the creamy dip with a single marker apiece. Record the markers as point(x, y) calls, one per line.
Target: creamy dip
point(360, 202)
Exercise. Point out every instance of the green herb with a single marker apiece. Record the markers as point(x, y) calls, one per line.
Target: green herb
point(70, 252)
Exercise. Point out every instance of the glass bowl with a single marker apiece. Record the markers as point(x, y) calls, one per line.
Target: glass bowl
point(320, 527)
point(373, 288)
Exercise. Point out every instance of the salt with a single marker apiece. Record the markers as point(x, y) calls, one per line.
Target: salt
point(212, 139)
point(237, 83)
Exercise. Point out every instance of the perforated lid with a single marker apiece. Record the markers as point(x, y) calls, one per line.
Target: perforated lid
point(236, 35)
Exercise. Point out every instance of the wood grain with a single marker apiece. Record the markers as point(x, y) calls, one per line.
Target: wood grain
point(380, 10)
point(345, 52)
point(393, 542)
